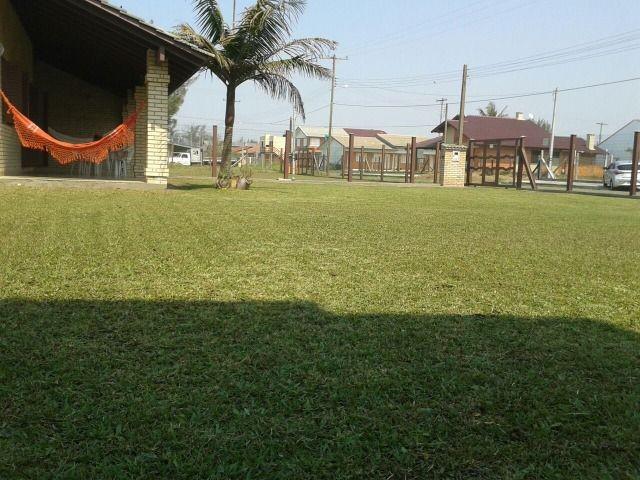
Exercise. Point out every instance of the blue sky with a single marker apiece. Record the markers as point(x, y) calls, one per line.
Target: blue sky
point(392, 40)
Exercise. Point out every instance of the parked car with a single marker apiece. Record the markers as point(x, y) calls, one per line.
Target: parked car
point(618, 174)
point(182, 158)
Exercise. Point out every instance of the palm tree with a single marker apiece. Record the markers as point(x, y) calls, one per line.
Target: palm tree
point(258, 49)
point(492, 111)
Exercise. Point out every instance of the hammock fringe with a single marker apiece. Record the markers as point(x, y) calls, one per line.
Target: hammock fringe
point(33, 137)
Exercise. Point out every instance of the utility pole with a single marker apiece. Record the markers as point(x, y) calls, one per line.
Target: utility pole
point(463, 99)
point(446, 123)
point(553, 130)
point(334, 59)
point(441, 102)
point(234, 14)
point(602, 124)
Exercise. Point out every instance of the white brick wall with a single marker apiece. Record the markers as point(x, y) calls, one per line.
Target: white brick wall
point(157, 120)
point(452, 171)
point(10, 151)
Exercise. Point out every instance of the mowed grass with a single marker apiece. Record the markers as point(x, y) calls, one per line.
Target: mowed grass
point(318, 331)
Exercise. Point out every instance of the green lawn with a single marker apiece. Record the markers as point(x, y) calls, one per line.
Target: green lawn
point(318, 331)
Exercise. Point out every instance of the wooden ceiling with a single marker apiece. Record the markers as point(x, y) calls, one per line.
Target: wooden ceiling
point(102, 44)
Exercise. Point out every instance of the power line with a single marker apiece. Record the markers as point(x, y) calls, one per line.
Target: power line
point(622, 42)
point(531, 94)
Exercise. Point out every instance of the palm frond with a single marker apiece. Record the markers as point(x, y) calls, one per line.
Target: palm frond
point(265, 25)
point(281, 88)
point(219, 64)
point(301, 65)
point(209, 19)
point(314, 47)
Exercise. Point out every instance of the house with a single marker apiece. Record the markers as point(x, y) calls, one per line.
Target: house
point(311, 139)
point(79, 68)
point(272, 143)
point(537, 141)
point(367, 153)
point(619, 146)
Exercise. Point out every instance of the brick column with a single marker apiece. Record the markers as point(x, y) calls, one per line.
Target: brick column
point(453, 165)
point(157, 83)
point(140, 147)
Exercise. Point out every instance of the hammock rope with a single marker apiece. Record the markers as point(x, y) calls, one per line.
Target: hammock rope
point(33, 137)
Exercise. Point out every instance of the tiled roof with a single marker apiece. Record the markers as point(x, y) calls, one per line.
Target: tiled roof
point(363, 132)
point(494, 128)
point(430, 143)
point(369, 143)
point(398, 141)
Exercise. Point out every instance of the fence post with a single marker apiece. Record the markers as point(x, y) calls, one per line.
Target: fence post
point(414, 160)
point(406, 164)
point(361, 163)
point(484, 162)
point(214, 152)
point(571, 162)
point(469, 165)
point(436, 163)
point(287, 153)
point(382, 164)
point(519, 162)
point(634, 168)
point(514, 171)
point(497, 164)
point(350, 159)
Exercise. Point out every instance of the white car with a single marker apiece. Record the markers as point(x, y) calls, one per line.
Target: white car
point(182, 158)
point(618, 174)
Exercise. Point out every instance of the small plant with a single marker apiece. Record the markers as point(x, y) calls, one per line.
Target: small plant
point(245, 179)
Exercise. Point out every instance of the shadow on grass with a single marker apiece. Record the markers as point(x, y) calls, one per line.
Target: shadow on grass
point(592, 193)
point(142, 389)
point(191, 185)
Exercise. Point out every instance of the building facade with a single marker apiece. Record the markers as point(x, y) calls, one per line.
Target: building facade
point(78, 69)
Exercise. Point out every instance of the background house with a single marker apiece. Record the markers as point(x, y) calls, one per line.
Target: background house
point(80, 67)
point(619, 146)
point(537, 142)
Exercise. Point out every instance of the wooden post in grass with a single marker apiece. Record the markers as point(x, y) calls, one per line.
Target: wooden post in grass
point(470, 160)
point(382, 164)
point(571, 163)
point(436, 163)
point(361, 163)
point(484, 162)
point(214, 152)
point(406, 164)
point(414, 161)
point(287, 153)
point(514, 170)
point(497, 177)
point(633, 189)
point(518, 156)
point(350, 158)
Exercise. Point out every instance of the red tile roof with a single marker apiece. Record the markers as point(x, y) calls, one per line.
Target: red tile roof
point(493, 128)
point(363, 132)
point(428, 144)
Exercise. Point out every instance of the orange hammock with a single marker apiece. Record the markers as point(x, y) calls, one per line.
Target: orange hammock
point(32, 136)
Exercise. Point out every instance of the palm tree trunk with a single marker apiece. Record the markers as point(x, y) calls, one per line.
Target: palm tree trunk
point(229, 120)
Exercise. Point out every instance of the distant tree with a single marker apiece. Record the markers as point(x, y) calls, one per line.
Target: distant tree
point(542, 123)
point(176, 100)
point(492, 111)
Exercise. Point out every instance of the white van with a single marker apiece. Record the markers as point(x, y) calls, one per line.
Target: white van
point(182, 158)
